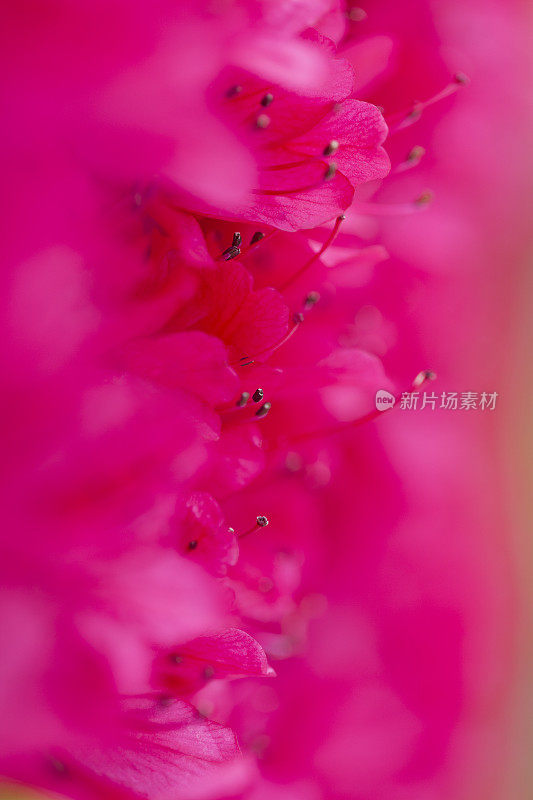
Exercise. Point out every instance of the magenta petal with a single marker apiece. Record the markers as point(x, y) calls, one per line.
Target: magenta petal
point(229, 654)
point(191, 360)
point(295, 210)
point(203, 534)
point(236, 459)
point(260, 324)
point(148, 599)
point(360, 130)
point(168, 750)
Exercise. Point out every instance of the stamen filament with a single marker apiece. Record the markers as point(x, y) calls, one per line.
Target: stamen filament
point(247, 361)
point(403, 119)
point(261, 522)
point(315, 257)
point(413, 160)
point(421, 378)
point(393, 209)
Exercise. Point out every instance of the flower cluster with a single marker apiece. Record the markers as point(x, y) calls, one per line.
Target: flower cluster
point(186, 249)
point(143, 332)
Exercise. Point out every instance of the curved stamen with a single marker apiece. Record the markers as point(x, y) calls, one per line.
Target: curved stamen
point(247, 361)
point(393, 209)
point(413, 159)
point(316, 256)
point(403, 119)
point(421, 378)
point(260, 522)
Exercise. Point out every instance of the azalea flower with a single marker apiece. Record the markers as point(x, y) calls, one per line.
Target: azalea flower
point(219, 577)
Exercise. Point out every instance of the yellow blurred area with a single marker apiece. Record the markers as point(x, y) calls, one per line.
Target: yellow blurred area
point(10, 791)
point(518, 454)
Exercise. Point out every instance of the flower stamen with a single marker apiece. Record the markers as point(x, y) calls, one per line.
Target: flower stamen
point(263, 410)
point(404, 119)
point(394, 209)
point(331, 148)
point(316, 256)
point(260, 522)
point(421, 378)
point(413, 159)
point(234, 249)
point(247, 361)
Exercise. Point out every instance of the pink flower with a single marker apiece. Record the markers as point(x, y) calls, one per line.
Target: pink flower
point(311, 151)
point(206, 282)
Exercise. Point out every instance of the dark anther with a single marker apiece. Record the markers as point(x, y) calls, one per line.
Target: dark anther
point(331, 147)
point(415, 113)
point(263, 410)
point(267, 99)
point(330, 171)
point(293, 462)
point(422, 377)
point(461, 78)
point(298, 317)
point(262, 521)
point(258, 235)
point(243, 399)
point(357, 14)
point(257, 395)
point(193, 544)
point(262, 121)
point(425, 198)
point(208, 673)
point(233, 91)
point(231, 252)
point(58, 766)
point(165, 700)
point(311, 299)
point(175, 658)
point(235, 248)
point(415, 154)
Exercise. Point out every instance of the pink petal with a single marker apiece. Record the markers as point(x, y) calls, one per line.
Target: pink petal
point(203, 534)
point(230, 654)
point(168, 750)
point(191, 360)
